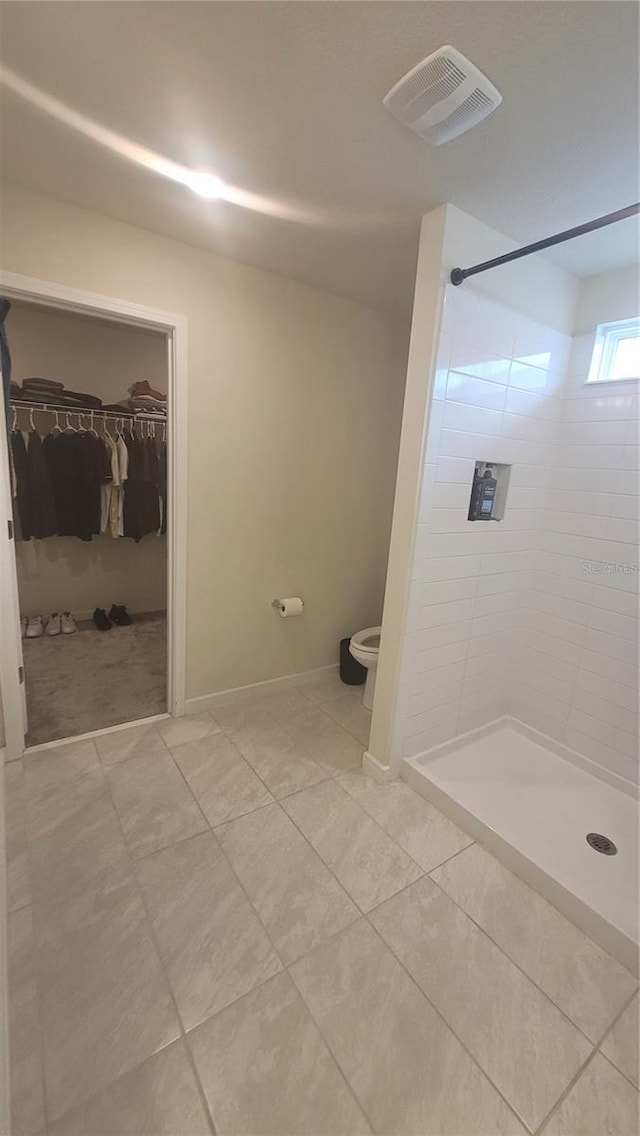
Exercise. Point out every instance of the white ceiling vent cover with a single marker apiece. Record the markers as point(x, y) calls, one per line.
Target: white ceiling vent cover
point(442, 97)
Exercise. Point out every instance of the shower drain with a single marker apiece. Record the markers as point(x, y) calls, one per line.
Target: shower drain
point(601, 843)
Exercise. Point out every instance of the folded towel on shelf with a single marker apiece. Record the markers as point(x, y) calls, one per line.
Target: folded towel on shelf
point(119, 408)
point(36, 383)
point(148, 405)
point(81, 400)
point(142, 388)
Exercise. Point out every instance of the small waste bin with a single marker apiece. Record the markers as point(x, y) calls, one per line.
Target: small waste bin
point(351, 671)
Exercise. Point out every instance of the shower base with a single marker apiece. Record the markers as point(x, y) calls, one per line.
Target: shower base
point(533, 809)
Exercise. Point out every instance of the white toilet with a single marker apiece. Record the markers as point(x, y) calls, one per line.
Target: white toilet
point(365, 647)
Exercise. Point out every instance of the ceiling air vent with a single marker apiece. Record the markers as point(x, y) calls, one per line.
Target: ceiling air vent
point(442, 97)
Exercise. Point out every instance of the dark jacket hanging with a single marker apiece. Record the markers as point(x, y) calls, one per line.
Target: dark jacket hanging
point(42, 503)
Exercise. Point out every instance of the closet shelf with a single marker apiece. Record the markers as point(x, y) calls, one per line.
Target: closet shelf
point(86, 412)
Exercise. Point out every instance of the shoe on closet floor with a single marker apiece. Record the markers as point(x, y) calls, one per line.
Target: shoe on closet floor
point(53, 624)
point(35, 627)
point(67, 623)
point(101, 620)
point(120, 615)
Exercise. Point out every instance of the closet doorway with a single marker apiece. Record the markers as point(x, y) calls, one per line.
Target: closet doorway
point(97, 555)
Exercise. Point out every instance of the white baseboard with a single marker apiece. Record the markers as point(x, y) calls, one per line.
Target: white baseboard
point(208, 701)
point(379, 772)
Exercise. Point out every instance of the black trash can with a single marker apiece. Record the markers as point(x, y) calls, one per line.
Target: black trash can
point(351, 671)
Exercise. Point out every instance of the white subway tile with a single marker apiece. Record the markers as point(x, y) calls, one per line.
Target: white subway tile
point(547, 664)
point(442, 636)
point(502, 582)
point(480, 447)
point(607, 712)
point(419, 743)
point(472, 419)
point(429, 699)
point(433, 679)
point(455, 470)
point(436, 615)
point(541, 406)
point(438, 657)
point(624, 650)
point(614, 692)
point(604, 732)
point(442, 591)
point(447, 568)
point(498, 602)
point(613, 669)
point(613, 623)
point(473, 391)
point(604, 755)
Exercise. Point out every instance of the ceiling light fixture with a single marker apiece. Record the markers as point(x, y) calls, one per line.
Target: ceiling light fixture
point(205, 185)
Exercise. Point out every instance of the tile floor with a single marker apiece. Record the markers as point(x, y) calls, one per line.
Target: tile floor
point(219, 924)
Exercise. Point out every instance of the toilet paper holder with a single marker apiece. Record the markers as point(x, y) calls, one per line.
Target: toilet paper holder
point(280, 606)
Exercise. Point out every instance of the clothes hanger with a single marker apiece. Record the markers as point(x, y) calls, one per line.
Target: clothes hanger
point(56, 425)
point(14, 423)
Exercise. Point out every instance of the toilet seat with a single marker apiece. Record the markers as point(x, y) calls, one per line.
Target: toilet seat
point(367, 640)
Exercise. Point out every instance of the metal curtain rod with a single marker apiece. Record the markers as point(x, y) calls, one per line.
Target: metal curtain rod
point(86, 412)
point(459, 274)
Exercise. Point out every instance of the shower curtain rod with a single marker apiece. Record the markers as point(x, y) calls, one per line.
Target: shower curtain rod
point(458, 275)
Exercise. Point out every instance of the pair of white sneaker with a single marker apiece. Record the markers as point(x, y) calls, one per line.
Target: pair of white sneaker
point(55, 624)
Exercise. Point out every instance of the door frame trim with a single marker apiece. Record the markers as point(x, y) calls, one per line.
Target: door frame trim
point(79, 301)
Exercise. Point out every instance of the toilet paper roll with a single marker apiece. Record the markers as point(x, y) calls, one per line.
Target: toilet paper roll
point(292, 605)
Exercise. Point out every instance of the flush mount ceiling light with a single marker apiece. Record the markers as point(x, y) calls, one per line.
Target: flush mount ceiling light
point(442, 97)
point(205, 185)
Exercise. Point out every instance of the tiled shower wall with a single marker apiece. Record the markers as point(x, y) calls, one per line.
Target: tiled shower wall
point(576, 677)
point(497, 398)
point(526, 616)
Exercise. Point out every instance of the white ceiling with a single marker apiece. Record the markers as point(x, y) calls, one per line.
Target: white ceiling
point(284, 100)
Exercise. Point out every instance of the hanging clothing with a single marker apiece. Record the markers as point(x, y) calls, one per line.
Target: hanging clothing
point(42, 506)
point(5, 355)
point(141, 505)
point(107, 488)
point(23, 494)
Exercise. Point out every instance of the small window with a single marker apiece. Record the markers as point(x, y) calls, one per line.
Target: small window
point(616, 352)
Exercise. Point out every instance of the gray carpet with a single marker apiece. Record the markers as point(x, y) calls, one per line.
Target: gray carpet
point(94, 679)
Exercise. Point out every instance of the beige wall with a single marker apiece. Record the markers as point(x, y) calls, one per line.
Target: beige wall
point(96, 357)
point(295, 399)
point(608, 296)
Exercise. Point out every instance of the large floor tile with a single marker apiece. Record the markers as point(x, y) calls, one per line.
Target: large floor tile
point(27, 1104)
point(324, 740)
point(104, 1001)
point(223, 783)
point(155, 806)
point(348, 711)
point(214, 947)
point(601, 1103)
point(85, 849)
point(369, 865)
point(266, 1070)
point(16, 843)
point(423, 831)
point(159, 1098)
point(408, 1071)
point(296, 897)
point(621, 1043)
point(526, 1046)
point(320, 686)
point(283, 766)
point(176, 731)
point(58, 782)
point(134, 741)
point(581, 978)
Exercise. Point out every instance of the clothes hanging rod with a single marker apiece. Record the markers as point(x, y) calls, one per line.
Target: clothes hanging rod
point(52, 408)
point(458, 275)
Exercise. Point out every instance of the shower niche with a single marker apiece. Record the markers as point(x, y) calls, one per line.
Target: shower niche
point(489, 490)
